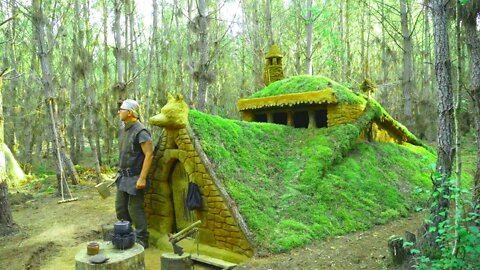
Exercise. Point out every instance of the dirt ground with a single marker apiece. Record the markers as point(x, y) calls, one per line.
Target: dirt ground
point(50, 234)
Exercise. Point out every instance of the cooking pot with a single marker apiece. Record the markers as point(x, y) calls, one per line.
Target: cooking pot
point(125, 241)
point(122, 227)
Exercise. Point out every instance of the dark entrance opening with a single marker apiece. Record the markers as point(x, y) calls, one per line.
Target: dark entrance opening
point(321, 118)
point(261, 117)
point(300, 119)
point(280, 118)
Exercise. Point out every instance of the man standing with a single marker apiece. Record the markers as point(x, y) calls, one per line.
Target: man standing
point(136, 155)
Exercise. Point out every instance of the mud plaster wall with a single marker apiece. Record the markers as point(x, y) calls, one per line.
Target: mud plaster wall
point(218, 227)
point(338, 114)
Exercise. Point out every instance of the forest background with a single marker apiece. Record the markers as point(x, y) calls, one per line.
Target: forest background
point(95, 53)
point(67, 65)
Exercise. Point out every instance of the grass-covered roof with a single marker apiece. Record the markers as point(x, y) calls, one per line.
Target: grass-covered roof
point(301, 89)
point(296, 185)
point(307, 83)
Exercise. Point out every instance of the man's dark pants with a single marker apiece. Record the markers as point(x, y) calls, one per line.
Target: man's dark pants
point(130, 207)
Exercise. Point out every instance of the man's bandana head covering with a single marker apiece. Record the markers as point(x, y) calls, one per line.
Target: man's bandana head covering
point(131, 105)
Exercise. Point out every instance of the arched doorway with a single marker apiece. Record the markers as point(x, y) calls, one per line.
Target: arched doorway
point(178, 182)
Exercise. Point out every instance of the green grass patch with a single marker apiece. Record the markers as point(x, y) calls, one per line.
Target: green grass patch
point(293, 186)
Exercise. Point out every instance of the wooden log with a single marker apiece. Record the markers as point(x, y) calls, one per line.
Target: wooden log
point(131, 259)
point(172, 261)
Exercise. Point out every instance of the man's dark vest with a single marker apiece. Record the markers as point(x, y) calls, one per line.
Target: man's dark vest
point(131, 154)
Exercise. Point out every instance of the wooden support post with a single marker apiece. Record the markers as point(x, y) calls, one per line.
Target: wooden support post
point(311, 119)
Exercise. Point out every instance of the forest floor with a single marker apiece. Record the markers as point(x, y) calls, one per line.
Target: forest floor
point(50, 234)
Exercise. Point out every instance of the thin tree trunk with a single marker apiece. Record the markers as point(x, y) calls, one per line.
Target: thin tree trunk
point(342, 40)
point(151, 56)
point(268, 24)
point(385, 54)
point(179, 82)
point(108, 139)
point(89, 93)
point(458, 156)
point(61, 158)
point(298, 37)
point(75, 121)
point(473, 46)
point(309, 37)
point(133, 45)
point(119, 54)
point(6, 220)
point(203, 63)
point(190, 55)
point(362, 41)
point(446, 131)
point(407, 78)
point(347, 40)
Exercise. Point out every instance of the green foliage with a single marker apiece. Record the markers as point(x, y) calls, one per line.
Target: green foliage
point(467, 227)
point(296, 185)
point(306, 83)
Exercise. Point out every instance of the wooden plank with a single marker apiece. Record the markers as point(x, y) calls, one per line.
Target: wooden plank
point(213, 261)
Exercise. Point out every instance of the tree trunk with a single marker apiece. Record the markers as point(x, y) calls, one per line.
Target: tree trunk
point(89, 93)
point(151, 56)
point(61, 158)
point(74, 126)
point(385, 60)
point(407, 78)
point(120, 87)
point(190, 60)
point(203, 76)
point(347, 41)
point(179, 82)
point(458, 156)
point(107, 109)
point(309, 33)
point(268, 25)
point(343, 59)
point(473, 45)
point(135, 76)
point(446, 132)
point(362, 41)
point(298, 37)
point(6, 221)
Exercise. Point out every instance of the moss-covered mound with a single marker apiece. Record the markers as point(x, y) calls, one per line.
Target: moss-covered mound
point(296, 185)
point(306, 83)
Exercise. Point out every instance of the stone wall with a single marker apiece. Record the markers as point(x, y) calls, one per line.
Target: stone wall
point(343, 113)
point(218, 228)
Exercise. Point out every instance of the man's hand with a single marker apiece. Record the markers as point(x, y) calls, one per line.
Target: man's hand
point(141, 183)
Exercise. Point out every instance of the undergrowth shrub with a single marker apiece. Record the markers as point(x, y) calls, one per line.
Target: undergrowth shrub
point(464, 225)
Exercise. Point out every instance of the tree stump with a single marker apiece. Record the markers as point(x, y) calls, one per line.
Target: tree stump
point(131, 259)
point(398, 252)
point(173, 261)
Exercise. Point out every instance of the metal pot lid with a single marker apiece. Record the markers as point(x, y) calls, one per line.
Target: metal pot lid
point(122, 223)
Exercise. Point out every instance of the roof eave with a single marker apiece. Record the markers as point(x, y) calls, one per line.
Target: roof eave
point(326, 96)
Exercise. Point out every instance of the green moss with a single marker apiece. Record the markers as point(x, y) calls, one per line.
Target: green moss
point(296, 185)
point(306, 83)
